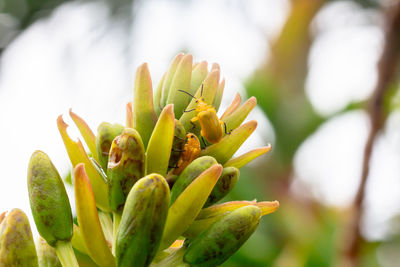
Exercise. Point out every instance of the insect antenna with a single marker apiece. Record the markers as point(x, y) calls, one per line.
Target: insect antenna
point(187, 93)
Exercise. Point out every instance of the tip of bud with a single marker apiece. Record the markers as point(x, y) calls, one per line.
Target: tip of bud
point(61, 123)
point(79, 170)
point(169, 109)
point(252, 100)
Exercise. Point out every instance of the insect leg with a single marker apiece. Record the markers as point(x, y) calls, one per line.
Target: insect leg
point(226, 132)
point(193, 125)
point(204, 142)
point(177, 150)
point(173, 167)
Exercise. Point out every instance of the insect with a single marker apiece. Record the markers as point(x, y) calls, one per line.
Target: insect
point(190, 152)
point(212, 128)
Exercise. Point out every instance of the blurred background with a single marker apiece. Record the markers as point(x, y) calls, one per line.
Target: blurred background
point(312, 64)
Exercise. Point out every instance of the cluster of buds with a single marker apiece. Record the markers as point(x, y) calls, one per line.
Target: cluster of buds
point(146, 193)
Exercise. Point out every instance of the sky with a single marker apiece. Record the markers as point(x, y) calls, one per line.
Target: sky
point(79, 58)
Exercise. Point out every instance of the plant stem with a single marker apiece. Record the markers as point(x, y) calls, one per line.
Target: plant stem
point(386, 75)
point(116, 222)
point(66, 254)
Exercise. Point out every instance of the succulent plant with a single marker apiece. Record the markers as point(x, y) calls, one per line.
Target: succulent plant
point(146, 192)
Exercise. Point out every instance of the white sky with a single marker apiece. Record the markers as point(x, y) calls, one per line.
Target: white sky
point(76, 59)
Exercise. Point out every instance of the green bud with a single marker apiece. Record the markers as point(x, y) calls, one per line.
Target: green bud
point(126, 166)
point(199, 73)
point(191, 172)
point(160, 144)
point(144, 117)
point(223, 238)
point(232, 106)
point(218, 95)
point(106, 132)
point(46, 254)
point(142, 222)
point(168, 79)
point(49, 201)
point(16, 242)
point(181, 81)
point(157, 95)
point(225, 184)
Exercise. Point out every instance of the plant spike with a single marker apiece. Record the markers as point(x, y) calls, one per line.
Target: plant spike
point(157, 95)
point(199, 73)
point(88, 219)
point(144, 117)
point(159, 149)
point(16, 242)
point(189, 203)
point(233, 120)
point(129, 115)
point(232, 106)
point(142, 222)
point(232, 230)
point(218, 95)
point(86, 132)
point(50, 206)
point(46, 254)
point(180, 81)
point(242, 160)
point(77, 155)
point(168, 79)
point(225, 184)
point(106, 132)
